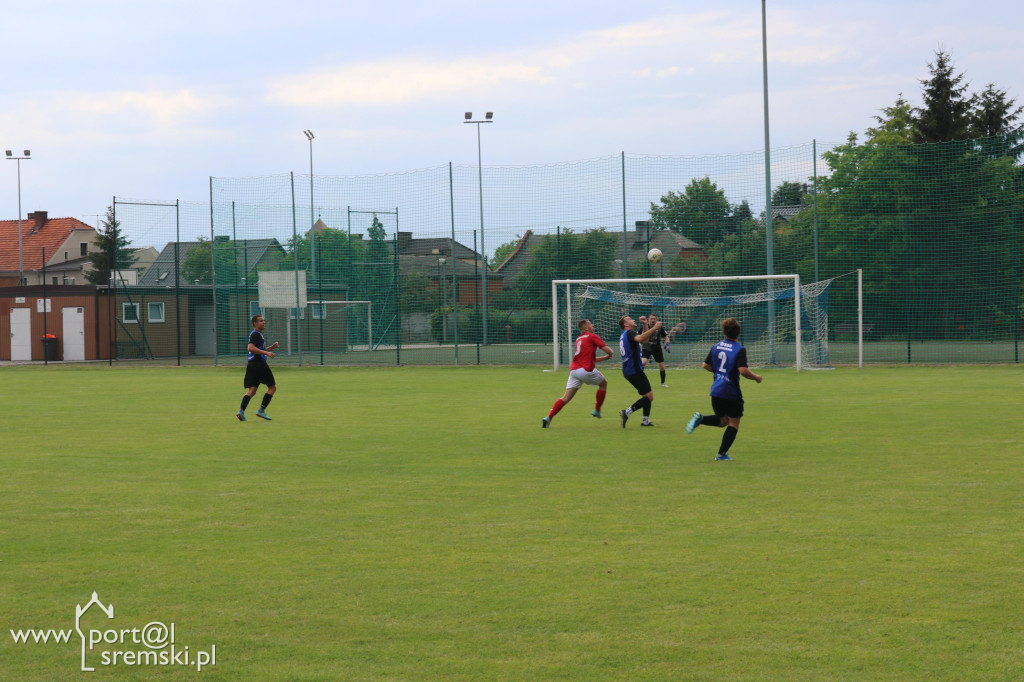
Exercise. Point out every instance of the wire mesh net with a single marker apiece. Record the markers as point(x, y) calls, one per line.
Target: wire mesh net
point(455, 263)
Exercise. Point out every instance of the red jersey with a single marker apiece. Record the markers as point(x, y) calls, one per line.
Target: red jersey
point(585, 356)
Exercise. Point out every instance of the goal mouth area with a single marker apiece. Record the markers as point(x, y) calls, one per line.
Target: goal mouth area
point(691, 310)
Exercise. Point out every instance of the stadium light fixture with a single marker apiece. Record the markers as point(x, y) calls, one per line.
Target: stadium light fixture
point(21, 256)
point(488, 118)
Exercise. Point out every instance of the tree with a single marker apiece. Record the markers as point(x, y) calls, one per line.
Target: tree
point(109, 241)
point(335, 254)
point(505, 250)
point(197, 265)
point(896, 126)
point(586, 255)
point(701, 212)
point(945, 114)
point(788, 194)
point(994, 116)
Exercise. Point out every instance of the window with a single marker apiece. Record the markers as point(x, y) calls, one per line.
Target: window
point(319, 311)
point(54, 280)
point(65, 255)
point(156, 312)
point(85, 248)
point(130, 313)
point(291, 313)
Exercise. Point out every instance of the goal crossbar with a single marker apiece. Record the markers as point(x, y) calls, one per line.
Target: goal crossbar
point(568, 283)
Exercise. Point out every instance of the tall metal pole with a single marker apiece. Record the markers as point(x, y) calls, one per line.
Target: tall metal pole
point(312, 223)
point(814, 147)
point(769, 237)
point(488, 118)
point(483, 250)
point(767, 145)
point(21, 260)
point(455, 281)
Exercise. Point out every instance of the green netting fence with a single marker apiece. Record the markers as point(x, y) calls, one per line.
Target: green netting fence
point(453, 264)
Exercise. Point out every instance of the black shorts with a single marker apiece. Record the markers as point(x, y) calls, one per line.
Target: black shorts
point(727, 407)
point(258, 372)
point(640, 382)
point(655, 352)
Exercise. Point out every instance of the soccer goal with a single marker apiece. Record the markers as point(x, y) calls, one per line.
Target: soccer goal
point(352, 320)
point(691, 310)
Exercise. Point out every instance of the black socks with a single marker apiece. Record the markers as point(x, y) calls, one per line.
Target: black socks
point(727, 439)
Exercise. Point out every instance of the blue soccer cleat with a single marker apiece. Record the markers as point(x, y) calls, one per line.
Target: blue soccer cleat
point(596, 413)
point(241, 415)
point(262, 415)
point(545, 423)
point(720, 457)
point(694, 422)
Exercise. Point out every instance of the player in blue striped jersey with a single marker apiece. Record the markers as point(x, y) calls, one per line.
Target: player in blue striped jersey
point(633, 369)
point(727, 360)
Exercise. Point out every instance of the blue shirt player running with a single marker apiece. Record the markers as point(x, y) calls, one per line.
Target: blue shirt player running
point(727, 360)
point(630, 344)
point(257, 370)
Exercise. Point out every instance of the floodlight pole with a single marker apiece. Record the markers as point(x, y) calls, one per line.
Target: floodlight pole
point(312, 225)
point(488, 118)
point(21, 257)
point(768, 236)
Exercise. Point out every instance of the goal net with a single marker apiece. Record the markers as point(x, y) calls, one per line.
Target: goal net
point(691, 310)
point(347, 325)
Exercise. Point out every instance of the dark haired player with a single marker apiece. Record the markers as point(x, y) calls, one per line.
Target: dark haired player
point(633, 368)
point(652, 349)
point(257, 370)
point(583, 370)
point(727, 361)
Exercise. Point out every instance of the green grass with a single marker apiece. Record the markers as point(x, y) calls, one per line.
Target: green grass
point(418, 524)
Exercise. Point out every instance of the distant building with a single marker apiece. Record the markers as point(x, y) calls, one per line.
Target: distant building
point(66, 243)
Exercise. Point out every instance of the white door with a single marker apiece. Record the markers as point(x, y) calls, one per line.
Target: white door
point(206, 334)
point(74, 334)
point(21, 334)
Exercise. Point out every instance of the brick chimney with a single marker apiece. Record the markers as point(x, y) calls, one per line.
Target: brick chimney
point(38, 218)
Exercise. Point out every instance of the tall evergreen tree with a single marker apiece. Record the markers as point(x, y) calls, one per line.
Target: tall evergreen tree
point(110, 242)
point(994, 120)
point(945, 114)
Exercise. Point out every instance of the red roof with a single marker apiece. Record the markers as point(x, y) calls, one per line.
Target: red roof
point(38, 232)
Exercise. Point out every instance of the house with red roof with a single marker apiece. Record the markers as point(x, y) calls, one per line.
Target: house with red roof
point(65, 242)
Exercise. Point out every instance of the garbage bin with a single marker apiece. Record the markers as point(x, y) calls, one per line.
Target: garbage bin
point(50, 347)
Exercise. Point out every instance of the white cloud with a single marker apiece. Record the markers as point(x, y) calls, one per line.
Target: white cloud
point(396, 81)
point(579, 59)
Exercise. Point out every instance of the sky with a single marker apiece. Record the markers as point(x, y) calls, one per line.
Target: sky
point(147, 100)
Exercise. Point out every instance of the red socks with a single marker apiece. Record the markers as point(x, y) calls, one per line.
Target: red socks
point(556, 408)
point(600, 400)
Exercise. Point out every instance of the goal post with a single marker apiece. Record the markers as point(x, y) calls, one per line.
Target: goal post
point(772, 339)
point(321, 310)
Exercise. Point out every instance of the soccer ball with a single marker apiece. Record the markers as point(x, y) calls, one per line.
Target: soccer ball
point(654, 255)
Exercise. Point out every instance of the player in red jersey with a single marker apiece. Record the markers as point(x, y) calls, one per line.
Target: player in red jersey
point(583, 370)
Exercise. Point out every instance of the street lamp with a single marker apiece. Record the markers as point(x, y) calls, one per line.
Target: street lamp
point(488, 118)
point(21, 258)
point(312, 225)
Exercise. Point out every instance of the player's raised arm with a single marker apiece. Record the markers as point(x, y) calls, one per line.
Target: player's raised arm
point(608, 355)
point(642, 338)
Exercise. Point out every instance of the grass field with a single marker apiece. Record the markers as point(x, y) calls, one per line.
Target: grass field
point(418, 524)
